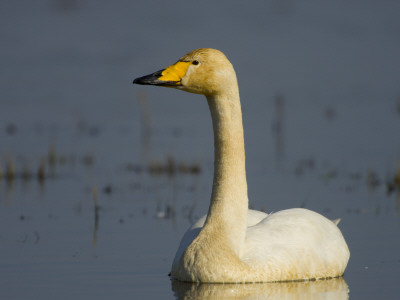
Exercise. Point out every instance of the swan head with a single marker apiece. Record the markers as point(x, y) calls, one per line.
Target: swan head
point(202, 71)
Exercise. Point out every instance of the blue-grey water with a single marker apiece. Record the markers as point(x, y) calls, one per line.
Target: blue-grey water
point(99, 179)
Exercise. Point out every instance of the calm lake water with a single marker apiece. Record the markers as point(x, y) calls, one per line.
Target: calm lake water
point(100, 178)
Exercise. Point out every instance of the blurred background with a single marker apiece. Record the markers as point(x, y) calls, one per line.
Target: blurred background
point(99, 179)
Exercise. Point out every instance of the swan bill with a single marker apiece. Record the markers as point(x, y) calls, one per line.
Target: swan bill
point(170, 77)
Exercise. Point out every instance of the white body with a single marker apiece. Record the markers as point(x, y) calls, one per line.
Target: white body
point(287, 245)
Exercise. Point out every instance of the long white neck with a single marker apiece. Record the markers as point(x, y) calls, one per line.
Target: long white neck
point(227, 215)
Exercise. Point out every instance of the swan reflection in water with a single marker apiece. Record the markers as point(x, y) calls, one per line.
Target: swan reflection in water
point(335, 288)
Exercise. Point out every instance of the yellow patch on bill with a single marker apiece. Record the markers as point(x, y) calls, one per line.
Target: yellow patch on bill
point(175, 72)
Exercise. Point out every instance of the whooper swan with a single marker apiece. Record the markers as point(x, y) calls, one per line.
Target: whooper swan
point(232, 243)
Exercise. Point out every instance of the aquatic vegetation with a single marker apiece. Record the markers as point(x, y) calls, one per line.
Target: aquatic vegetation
point(10, 172)
point(393, 183)
point(41, 173)
point(171, 167)
point(96, 209)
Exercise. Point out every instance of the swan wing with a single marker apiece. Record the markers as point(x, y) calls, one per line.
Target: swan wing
point(297, 237)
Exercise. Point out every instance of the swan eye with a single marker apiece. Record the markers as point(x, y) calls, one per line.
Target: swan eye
point(195, 62)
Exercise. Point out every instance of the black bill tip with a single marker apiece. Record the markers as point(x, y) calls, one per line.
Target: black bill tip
point(153, 79)
point(148, 79)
